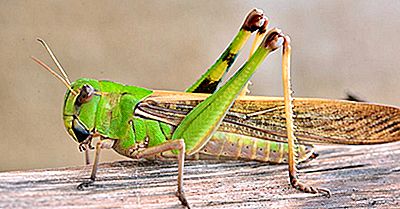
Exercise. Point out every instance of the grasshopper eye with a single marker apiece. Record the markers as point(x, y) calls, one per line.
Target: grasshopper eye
point(85, 95)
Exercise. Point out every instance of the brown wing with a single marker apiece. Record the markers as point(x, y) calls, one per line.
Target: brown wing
point(316, 120)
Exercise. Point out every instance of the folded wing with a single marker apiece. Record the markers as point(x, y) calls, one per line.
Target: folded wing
point(316, 120)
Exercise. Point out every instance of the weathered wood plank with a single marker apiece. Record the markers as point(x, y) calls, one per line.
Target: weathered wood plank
point(358, 176)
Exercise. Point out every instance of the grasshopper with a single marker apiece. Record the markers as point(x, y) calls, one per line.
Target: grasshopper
point(211, 121)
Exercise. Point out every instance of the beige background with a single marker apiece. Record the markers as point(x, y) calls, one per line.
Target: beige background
point(338, 46)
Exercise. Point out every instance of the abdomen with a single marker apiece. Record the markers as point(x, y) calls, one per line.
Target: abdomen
point(224, 145)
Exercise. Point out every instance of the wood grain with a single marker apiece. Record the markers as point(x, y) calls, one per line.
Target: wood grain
point(358, 176)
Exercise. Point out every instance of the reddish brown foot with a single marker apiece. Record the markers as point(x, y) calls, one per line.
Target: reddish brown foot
point(182, 198)
point(85, 185)
point(308, 189)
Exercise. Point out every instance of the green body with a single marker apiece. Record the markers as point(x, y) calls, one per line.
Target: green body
point(111, 113)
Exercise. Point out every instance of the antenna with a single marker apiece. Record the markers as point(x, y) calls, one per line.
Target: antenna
point(65, 82)
point(54, 58)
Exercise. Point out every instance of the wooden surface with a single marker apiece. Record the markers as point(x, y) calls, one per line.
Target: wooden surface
point(358, 176)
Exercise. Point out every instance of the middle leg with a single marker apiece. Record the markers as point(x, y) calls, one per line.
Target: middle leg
point(170, 145)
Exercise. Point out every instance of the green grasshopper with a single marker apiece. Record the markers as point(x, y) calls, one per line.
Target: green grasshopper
point(211, 120)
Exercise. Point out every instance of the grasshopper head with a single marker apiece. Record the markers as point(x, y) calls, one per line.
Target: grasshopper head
point(80, 106)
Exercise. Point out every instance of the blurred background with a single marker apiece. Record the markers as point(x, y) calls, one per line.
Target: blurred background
point(338, 47)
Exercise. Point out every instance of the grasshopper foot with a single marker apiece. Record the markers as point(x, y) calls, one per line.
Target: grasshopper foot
point(314, 155)
point(182, 198)
point(84, 185)
point(309, 189)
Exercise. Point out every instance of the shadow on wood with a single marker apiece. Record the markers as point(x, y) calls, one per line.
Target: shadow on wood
point(358, 176)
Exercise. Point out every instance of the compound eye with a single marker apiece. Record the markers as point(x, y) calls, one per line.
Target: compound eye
point(85, 95)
